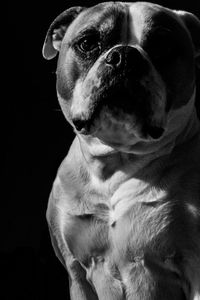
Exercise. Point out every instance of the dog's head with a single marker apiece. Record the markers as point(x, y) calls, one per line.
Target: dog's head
point(126, 71)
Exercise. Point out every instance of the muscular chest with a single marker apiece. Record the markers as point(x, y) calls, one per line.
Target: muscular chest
point(126, 227)
point(125, 223)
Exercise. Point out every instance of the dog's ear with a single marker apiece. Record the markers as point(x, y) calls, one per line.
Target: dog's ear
point(192, 24)
point(57, 31)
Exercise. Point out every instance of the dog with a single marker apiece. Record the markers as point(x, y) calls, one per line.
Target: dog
point(124, 210)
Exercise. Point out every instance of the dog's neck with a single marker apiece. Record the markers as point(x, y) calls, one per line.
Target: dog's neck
point(106, 163)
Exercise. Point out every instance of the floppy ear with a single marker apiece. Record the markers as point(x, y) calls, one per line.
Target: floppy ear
point(57, 31)
point(192, 24)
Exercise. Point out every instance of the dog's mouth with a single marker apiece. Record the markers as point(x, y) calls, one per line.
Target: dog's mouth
point(117, 129)
point(123, 109)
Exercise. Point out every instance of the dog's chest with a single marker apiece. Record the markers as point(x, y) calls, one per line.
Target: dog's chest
point(126, 226)
point(140, 228)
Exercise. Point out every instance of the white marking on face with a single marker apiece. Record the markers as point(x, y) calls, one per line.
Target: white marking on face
point(82, 101)
point(116, 130)
point(79, 105)
point(136, 19)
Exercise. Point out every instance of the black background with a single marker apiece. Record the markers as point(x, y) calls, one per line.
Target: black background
point(37, 139)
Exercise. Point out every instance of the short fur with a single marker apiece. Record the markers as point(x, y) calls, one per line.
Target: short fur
point(124, 211)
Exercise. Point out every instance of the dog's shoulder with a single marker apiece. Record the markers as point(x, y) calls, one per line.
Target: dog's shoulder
point(71, 177)
point(73, 191)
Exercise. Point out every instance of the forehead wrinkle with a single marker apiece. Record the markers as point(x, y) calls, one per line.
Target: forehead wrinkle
point(93, 17)
point(99, 23)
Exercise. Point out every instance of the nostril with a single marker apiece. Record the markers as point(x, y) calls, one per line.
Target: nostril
point(114, 58)
point(155, 132)
point(79, 124)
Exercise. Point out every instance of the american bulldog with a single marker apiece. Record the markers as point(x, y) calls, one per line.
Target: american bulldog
point(124, 211)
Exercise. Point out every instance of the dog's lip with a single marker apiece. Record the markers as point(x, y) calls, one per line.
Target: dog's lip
point(86, 126)
point(82, 125)
point(108, 100)
point(153, 133)
point(84, 131)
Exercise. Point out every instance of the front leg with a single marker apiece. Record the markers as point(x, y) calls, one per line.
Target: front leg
point(80, 288)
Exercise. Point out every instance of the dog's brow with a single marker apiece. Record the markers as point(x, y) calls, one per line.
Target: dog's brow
point(87, 31)
point(102, 22)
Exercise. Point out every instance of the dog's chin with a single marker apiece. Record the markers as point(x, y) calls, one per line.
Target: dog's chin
point(120, 130)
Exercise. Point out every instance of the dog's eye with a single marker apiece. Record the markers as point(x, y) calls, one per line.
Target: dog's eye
point(89, 43)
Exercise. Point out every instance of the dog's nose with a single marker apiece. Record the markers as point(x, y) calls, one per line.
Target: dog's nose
point(128, 58)
point(155, 132)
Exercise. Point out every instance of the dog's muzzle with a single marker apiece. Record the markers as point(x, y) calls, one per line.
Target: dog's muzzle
point(124, 64)
point(124, 88)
